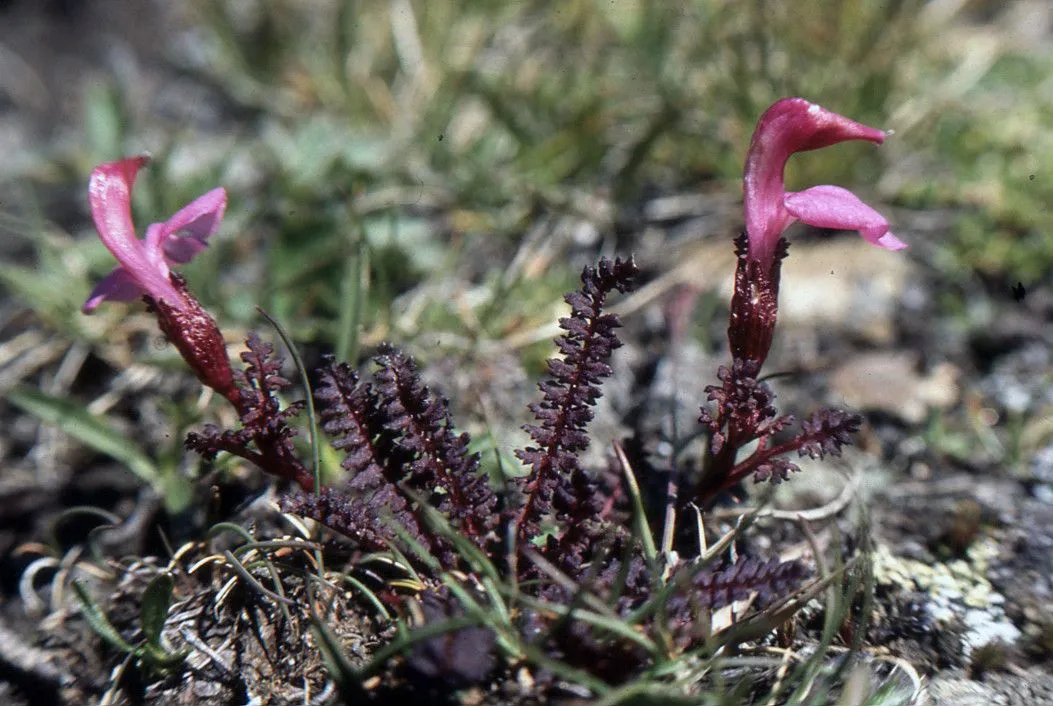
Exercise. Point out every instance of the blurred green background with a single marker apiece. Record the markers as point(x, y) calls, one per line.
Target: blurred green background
point(386, 161)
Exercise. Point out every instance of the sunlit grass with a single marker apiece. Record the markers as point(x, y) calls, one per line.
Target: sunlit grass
point(412, 133)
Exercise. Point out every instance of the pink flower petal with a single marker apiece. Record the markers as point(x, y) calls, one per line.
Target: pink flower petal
point(109, 197)
point(840, 209)
point(118, 286)
point(186, 233)
point(788, 126)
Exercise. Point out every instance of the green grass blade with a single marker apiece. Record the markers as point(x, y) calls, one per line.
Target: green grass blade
point(348, 680)
point(640, 527)
point(98, 621)
point(312, 417)
point(221, 527)
point(615, 626)
point(154, 609)
point(571, 674)
point(369, 594)
point(353, 294)
point(412, 637)
point(90, 430)
point(46, 292)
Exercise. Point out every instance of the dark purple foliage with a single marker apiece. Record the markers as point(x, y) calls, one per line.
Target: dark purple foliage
point(402, 457)
point(743, 412)
point(556, 483)
point(368, 505)
point(265, 437)
point(369, 520)
point(825, 433)
point(439, 462)
point(744, 409)
point(713, 588)
point(397, 435)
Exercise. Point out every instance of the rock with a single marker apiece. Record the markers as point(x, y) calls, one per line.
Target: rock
point(844, 283)
point(890, 383)
point(958, 595)
point(1031, 688)
point(841, 283)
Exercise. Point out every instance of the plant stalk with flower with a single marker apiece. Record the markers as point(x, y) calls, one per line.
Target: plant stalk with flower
point(744, 412)
point(407, 467)
point(144, 266)
point(144, 269)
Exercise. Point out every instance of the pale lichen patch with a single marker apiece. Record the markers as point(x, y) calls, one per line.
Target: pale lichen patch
point(958, 592)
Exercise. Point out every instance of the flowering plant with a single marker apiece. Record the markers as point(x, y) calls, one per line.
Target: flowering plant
point(744, 410)
point(144, 267)
point(144, 264)
point(559, 531)
point(790, 125)
point(795, 125)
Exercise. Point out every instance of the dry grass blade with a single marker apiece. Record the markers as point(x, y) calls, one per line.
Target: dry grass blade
point(823, 512)
point(641, 528)
point(775, 615)
point(237, 567)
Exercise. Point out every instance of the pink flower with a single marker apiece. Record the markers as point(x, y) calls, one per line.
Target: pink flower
point(144, 264)
point(795, 125)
